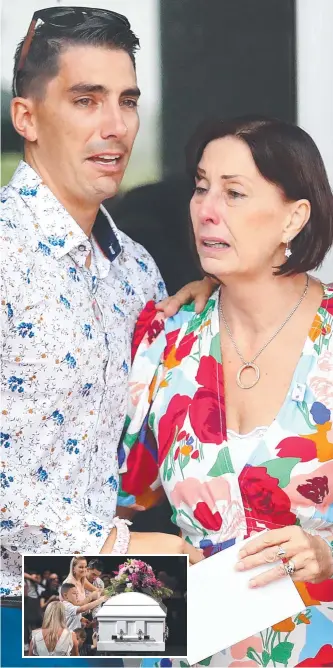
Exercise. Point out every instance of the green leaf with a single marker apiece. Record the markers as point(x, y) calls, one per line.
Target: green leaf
point(205, 662)
point(215, 348)
point(151, 420)
point(129, 439)
point(222, 465)
point(184, 461)
point(198, 319)
point(252, 654)
point(165, 467)
point(188, 540)
point(169, 474)
point(265, 657)
point(183, 664)
point(281, 653)
point(281, 469)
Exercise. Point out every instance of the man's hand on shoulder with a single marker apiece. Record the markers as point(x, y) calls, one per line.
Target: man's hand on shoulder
point(197, 291)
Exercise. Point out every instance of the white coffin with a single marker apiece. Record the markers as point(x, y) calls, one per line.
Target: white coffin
point(131, 622)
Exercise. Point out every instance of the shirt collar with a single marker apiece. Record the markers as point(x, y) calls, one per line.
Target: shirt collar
point(61, 231)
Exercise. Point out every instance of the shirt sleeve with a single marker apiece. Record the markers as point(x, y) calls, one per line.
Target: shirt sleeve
point(38, 520)
point(137, 453)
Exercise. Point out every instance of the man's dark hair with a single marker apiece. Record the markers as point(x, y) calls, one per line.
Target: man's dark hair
point(286, 156)
point(80, 633)
point(96, 564)
point(65, 588)
point(42, 62)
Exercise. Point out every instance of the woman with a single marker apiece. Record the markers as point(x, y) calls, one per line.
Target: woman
point(78, 577)
point(235, 404)
point(54, 639)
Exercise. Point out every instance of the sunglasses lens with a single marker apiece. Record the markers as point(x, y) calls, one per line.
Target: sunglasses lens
point(68, 17)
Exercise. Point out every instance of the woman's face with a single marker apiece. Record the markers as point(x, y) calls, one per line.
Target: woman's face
point(80, 570)
point(239, 219)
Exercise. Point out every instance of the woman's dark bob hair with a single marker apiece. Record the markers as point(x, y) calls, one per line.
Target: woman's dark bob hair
point(286, 156)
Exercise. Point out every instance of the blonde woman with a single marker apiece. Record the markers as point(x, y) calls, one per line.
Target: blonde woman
point(77, 576)
point(54, 638)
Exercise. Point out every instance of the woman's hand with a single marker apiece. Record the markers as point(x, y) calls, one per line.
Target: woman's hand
point(155, 543)
point(310, 555)
point(152, 542)
point(195, 554)
point(199, 291)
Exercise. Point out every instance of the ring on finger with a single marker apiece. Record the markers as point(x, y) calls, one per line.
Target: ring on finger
point(289, 567)
point(281, 553)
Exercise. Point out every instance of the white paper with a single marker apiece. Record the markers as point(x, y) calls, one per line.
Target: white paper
point(223, 609)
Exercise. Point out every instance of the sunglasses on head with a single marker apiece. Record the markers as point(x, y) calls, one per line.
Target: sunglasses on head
point(62, 18)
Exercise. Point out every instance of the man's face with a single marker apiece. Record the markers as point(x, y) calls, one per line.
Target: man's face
point(93, 573)
point(54, 580)
point(86, 123)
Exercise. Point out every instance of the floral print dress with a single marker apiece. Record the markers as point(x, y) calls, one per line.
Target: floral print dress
point(220, 490)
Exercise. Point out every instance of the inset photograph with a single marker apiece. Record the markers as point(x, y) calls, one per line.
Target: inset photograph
point(105, 605)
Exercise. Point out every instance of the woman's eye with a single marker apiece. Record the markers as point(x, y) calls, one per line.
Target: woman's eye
point(199, 190)
point(234, 194)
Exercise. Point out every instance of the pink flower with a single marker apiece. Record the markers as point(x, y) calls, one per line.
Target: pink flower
point(323, 390)
point(325, 361)
point(239, 650)
point(191, 490)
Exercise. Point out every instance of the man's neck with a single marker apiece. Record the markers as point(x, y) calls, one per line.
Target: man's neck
point(84, 213)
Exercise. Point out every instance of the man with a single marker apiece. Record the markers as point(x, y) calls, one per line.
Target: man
point(94, 572)
point(72, 288)
point(51, 592)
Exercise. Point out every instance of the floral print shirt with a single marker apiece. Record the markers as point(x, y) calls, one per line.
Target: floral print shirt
point(222, 490)
point(66, 334)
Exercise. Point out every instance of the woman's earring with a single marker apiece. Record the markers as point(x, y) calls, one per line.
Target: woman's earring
point(287, 251)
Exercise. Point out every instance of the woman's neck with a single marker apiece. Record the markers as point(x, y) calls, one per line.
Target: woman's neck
point(259, 304)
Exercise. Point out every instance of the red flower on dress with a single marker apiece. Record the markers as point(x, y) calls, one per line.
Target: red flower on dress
point(264, 500)
point(207, 413)
point(297, 446)
point(328, 303)
point(322, 591)
point(169, 422)
point(207, 374)
point(208, 519)
point(141, 471)
point(323, 658)
point(150, 322)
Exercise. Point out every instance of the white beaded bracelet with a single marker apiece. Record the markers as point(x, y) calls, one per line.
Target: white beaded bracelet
point(123, 535)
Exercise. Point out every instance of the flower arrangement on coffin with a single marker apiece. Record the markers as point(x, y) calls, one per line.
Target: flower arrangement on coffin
point(136, 575)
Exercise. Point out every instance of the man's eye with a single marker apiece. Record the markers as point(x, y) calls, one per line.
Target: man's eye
point(199, 190)
point(132, 104)
point(83, 102)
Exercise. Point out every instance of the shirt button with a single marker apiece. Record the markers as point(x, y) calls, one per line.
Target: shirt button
point(82, 248)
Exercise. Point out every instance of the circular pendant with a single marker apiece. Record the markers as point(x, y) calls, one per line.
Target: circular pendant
point(249, 365)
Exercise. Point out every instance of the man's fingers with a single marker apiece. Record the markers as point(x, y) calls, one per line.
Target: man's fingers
point(197, 291)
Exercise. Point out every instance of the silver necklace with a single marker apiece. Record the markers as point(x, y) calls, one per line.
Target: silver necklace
point(251, 363)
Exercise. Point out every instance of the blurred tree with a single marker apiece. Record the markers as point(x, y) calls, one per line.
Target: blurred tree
point(10, 141)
